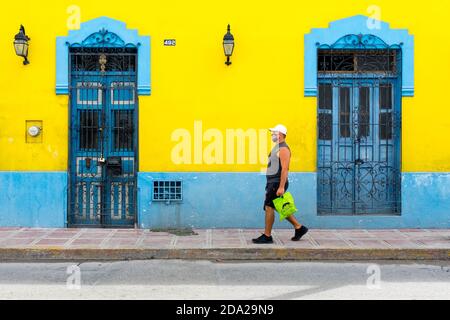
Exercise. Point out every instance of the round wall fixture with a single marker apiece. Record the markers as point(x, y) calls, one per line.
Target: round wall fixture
point(34, 131)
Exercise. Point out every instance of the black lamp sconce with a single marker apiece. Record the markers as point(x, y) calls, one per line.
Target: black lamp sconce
point(21, 45)
point(228, 45)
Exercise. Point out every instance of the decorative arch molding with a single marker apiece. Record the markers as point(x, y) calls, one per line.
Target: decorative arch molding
point(359, 41)
point(107, 32)
point(354, 33)
point(104, 38)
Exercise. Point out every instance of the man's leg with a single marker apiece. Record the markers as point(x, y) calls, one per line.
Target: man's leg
point(270, 220)
point(270, 216)
point(300, 230)
point(294, 222)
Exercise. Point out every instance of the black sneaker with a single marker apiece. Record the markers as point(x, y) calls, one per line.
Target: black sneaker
point(299, 233)
point(263, 240)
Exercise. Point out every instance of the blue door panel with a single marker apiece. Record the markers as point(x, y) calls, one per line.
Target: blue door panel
point(358, 146)
point(103, 146)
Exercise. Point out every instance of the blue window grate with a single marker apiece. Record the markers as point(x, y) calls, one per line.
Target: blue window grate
point(167, 191)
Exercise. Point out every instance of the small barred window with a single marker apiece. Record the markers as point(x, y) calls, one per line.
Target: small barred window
point(167, 191)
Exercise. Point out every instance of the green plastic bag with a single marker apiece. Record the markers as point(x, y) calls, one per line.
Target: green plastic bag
point(285, 206)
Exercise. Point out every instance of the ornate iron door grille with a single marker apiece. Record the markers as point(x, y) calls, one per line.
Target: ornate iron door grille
point(359, 127)
point(103, 134)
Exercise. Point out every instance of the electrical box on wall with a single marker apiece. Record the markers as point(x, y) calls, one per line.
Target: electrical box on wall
point(34, 131)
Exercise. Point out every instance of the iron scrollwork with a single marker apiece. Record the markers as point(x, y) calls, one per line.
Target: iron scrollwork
point(359, 128)
point(103, 38)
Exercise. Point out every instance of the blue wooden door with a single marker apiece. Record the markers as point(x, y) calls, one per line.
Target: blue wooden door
point(358, 148)
point(103, 144)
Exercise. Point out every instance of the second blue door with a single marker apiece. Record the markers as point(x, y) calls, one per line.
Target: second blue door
point(358, 151)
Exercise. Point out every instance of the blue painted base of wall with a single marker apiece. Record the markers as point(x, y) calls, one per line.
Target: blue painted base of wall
point(220, 200)
point(31, 199)
point(235, 200)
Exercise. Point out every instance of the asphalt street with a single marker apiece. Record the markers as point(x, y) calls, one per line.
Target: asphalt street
point(204, 280)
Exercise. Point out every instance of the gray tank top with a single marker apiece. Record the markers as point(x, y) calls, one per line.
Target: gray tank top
point(274, 167)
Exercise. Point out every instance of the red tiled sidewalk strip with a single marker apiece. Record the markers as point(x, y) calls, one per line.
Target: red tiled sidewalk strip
point(62, 235)
point(52, 242)
point(370, 243)
point(29, 234)
point(16, 242)
point(235, 244)
point(87, 242)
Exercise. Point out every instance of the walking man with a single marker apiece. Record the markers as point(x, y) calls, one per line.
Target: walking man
point(277, 185)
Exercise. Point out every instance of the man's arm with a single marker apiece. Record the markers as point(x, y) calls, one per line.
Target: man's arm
point(285, 157)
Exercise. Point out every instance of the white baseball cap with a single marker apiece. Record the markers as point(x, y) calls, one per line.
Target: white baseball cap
point(279, 128)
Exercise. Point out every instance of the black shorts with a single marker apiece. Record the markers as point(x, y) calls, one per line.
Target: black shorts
point(271, 193)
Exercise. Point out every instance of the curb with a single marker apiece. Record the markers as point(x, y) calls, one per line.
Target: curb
point(233, 254)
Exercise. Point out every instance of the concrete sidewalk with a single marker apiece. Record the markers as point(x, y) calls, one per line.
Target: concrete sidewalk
point(24, 244)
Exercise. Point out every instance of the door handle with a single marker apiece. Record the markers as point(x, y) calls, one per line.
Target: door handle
point(359, 162)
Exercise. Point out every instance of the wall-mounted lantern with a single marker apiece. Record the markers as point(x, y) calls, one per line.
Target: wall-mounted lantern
point(21, 45)
point(228, 45)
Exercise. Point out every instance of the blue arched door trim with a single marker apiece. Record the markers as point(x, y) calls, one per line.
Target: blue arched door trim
point(337, 34)
point(87, 35)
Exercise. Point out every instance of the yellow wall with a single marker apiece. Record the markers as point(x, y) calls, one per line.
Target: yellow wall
point(191, 82)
